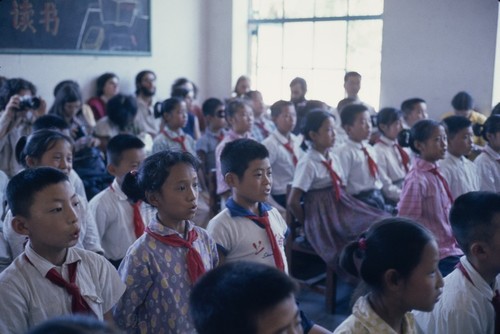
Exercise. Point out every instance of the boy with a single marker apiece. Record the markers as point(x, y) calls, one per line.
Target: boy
point(51, 278)
point(414, 110)
point(459, 172)
point(363, 179)
point(119, 221)
point(470, 294)
point(262, 126)
point(284, 148)
point(245, 297)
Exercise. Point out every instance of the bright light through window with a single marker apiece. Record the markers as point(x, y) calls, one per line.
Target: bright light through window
point(319, 40)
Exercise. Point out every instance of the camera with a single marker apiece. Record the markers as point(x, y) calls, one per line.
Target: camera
point(29, 103)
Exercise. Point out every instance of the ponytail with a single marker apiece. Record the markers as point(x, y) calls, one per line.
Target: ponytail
point(131, 188)
point(20, 157)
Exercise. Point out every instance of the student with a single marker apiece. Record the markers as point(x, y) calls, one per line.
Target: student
point(262, 125)
point(363, 179)
point(50, 148)
point(40, 284)
point(119, 220)
point(488, 162)
point(174, 117)
point(249, 229)
point(246, 298)
point(215, 116)
point(460, 173)
point(328, 210)
point(284, 149)
point(391, 157)
point(240, 119)
point(426, 196)
point(107, 86)
point(192, 126)
point(414, 110)
point(161, 267)
point(470, 291)
point(397, 260)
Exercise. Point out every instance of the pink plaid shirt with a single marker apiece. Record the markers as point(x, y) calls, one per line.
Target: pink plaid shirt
point(424, 200)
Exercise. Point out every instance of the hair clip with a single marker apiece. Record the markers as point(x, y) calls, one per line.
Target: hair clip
point(362, 243)
point(133, 172)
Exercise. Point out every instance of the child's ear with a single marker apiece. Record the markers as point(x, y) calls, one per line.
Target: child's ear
point(479, 250)
point(166, 116)
point(383, 127)
point(392, 280)
point(111, 169)
point(30, 162)
point(418, 145)
point(231, 179)
point(19, 225)
point(312, 135)
point(152, 198)
point(347, 128)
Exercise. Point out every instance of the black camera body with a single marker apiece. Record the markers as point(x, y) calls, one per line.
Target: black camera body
point(29, 103)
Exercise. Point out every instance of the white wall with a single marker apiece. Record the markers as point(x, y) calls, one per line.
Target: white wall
point(176, 39)
point(434, 49)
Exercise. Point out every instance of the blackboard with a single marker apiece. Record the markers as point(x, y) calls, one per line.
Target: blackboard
point(113, 27)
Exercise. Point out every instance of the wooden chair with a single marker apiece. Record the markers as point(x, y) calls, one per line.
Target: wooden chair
point(306, 266)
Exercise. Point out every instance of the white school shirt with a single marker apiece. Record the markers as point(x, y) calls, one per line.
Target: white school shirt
point(77, 183)
point(311, 174)
point(29, 298)
point(460, 173)
point(243, 240)
point(355, 166)
point(281, 160)
point(114, 217)
point(88, 238)
point(389, 159)
point(464, 307)
point(488, 166)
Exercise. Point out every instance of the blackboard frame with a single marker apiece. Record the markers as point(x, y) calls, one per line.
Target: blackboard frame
point(143, 34)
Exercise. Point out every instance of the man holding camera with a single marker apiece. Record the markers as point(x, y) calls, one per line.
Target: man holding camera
point(19, 109)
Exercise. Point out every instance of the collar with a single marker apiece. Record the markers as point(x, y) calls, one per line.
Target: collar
point(42, 265)
point(117, 190)
point(282, 139)
point(488, 150)
point(233, 135)
point(477, 280)
point(387, 141)
point(355, 144)
point(237, 210)
point(163, 230)
point(454, 159)
point(215, 134)
point(140, 100)
point(317, 156)
point(423, 165)
point(172, 133)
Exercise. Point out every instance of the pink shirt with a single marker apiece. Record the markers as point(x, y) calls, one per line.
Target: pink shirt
point(424, 199)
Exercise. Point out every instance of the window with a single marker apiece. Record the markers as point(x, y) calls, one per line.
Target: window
point(318, 40)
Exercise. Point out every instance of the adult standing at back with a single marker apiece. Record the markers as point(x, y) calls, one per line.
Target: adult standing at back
point(145, 84)
point(298, 90)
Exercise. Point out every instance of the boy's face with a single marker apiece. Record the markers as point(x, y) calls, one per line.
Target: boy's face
point(361, 127)
point(59, 156)
point(218, 120)
point(461, 143)
point(258, 104)
point(352, 86)
point(130, 160)
point(242, 120)
point(177, 118)
point(282, 318)
point(53, 223)
point(285, 122)
point(418, 113)
point(254, 186)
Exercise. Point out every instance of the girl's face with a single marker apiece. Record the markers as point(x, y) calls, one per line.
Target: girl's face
point(421, 290)
point(434, 148)
point(59, 156)
point(242, 120)
point(111, 87)
point(494, 141)
point(391, 131)
point(285, 122)
point(177, 118)
point(324, 138)
point(71, 108)
point(177, 199)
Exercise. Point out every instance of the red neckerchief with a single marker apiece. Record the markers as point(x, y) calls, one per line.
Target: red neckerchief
point(178, 139)
point(138, 222)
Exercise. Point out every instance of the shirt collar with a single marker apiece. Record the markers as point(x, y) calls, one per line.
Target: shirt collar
point(487, 149)
point(356, 144)
point(477, 279)
point(424, 165)
point(282, 139)
point(172, 133)
point(316, 156)
point(237, 210)
point(458, 160)
point(163, 230)
point(387, 141)
point(42, 265)
point(233, 135)
point(117, 190)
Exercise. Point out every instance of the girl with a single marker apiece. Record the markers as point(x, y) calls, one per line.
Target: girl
point(240, 119)
point(488, 162)
point(391, 157)
point(173, 114)
point(161, 267)
point(48, 148)
point(330, 216)
point(397, 261)
point(425, 196)
point(106, 87)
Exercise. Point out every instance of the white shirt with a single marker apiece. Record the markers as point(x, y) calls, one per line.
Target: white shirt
point(311, 174)
point(281, 159)
point(488, 166)
point(460, 173)
point(355, 166)
point(162, 142)
point(464, 307)
point(28, 298)
point(145, 118)
point(389, 159)
point(114, 217)
point(77, 183)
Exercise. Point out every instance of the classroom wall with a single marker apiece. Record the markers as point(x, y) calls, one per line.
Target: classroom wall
point(177, 50)
point(434, 49)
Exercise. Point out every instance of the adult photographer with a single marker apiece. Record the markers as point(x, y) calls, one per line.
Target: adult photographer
point(20, 107)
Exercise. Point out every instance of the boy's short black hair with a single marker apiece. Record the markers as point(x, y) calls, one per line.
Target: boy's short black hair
point(120, 143)
point(237, 155)
point(471, 217)
point(210, 106)
point(230, 298)
point(351, 74)
point(408, 105)
point(278, 106)
point(453, 124)
point(50, 122)
point(22, 188)
point(350, 112)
